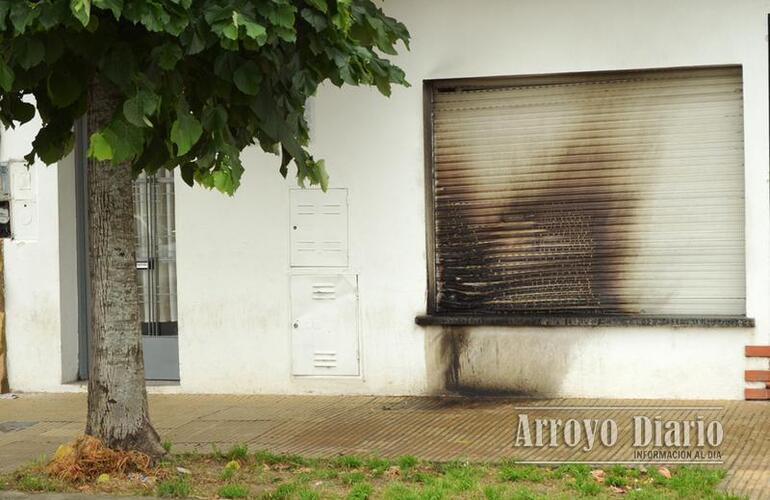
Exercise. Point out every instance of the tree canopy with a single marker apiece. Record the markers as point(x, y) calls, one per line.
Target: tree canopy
point(197, 80)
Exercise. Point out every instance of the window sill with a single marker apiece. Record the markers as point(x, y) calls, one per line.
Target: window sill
point(562, 321)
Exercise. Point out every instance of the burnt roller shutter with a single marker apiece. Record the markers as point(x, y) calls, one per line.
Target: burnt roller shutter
point(613, 193)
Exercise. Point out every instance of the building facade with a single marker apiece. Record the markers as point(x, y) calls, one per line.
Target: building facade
point(570, 200)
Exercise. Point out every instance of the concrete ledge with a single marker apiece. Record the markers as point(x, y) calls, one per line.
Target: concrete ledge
point(562, 321)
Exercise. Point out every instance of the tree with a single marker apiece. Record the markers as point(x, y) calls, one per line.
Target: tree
point(167, 84)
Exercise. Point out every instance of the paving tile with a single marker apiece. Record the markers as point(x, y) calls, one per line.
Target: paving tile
point(432, 428)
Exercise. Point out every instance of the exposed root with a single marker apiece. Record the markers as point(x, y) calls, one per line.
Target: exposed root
point(87, 458)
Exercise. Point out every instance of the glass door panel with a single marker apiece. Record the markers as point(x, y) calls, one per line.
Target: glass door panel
point(156, 269)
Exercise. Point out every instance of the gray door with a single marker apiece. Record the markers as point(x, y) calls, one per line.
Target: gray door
point(156, 272)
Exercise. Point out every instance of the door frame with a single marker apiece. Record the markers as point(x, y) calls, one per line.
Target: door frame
point(81, 238)
point(162, 345)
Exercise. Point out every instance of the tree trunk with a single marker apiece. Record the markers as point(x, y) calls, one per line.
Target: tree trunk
point(3, 345)
point(117, 398)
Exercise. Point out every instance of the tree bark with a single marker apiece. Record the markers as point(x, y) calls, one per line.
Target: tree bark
point(117, 397)
point(4, 387)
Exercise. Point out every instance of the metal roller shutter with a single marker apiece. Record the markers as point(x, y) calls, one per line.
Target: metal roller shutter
point(611, 193)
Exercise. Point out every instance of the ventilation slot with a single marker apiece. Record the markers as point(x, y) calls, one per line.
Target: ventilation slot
point(325, 359)
point(324, 291)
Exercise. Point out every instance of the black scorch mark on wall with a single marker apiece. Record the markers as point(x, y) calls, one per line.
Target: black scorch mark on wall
point(558, 242)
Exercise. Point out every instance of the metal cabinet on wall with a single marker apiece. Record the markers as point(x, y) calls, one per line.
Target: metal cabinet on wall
point(325, 324)
point(319, 228)
point(324, 294)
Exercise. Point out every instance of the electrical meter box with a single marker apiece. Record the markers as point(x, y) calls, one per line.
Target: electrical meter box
point(5, 201)
point(319, 228)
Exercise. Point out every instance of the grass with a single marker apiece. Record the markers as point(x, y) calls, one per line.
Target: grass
point(238, 473)
point(238, 452)
point(178, 487)
point(407, 461)
point(513, 472)
point(233, 491)
point(349, 461)
point(36, 482)
point(360, 491)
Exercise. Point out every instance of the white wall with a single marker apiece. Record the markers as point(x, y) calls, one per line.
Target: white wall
point(41, 294)
point(233, 252)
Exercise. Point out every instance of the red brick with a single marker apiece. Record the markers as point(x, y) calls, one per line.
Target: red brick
point(757, 394)
point(758, 351)
point(757, 375)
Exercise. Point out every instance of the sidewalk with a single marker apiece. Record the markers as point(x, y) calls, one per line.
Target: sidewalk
point(430, 428)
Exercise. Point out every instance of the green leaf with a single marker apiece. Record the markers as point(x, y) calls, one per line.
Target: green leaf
point(188, 173)
point(316, 20)
point(227, 175)
point(126, 140)
point(315, 172)
point(214, 118)
point(116, 6)
point(13, 109)
point(21, 111)
point(322, 175)
point(81, 9)
point(140, 106)
point(185, 132)
point(167, 55)
point(222, 181)
point(281, 15)
point(343, 19)
point(254, 30)
point(5, 7)
point(231, 29)
point(64, 88)
point(99, 148)
point(6, 76)
point(52, 15)
point(22, 14)
point(155, 155)
point(54, 141)
point(29, 52)
point(119, 66)
point(247, 78)
point(318, 4)
point(154, 15)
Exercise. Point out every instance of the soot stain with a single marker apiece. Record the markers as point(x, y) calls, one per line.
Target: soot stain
point(453, 342)
point(558, 247)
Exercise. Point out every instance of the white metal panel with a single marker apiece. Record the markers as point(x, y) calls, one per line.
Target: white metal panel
point(24, 215)
point(324, 324)
point(319, 228)
point(613, 193)
point(22, 181)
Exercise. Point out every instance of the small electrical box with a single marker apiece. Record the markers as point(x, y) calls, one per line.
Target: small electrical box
point(24, 215)
point(5, 201)
point(319, 228)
